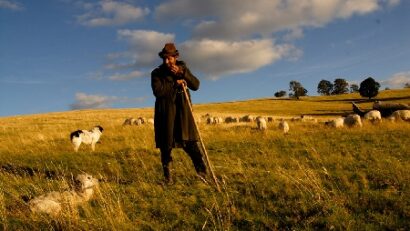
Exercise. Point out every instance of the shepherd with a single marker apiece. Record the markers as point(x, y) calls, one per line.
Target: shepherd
point(173, 121)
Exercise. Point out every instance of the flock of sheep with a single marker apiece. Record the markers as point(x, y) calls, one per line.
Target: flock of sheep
point(374, 116)
point(138, 121)
point(261, 121)
point(353, 120)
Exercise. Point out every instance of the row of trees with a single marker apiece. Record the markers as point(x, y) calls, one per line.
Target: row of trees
point(368, 88)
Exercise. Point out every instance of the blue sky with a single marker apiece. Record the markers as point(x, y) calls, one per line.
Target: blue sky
point(59, 55)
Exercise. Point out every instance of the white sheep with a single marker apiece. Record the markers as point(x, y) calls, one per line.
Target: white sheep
point(218, 120)
point(247, 118)
point(128, 121)
point(284, 126)
point(353, 121)
point(150, 121)
point(305, 118)
point(142, 119)
point(336, 123)
point(53, 202)
point(261, 123)
point(373, 116)
point(400, 115)
point(138, 122)
point(210, 120)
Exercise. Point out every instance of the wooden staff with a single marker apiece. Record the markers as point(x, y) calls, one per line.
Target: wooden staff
point(200, 140)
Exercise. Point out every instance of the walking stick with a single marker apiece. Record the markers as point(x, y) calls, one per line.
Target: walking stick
point(200, 140)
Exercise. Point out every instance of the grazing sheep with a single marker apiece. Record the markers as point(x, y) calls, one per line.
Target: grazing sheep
point(53, 202)
point(210, 120)
point(142, 119)
point(150, 121)
point(261, 122)
point(373, 116)
point(129, 121)
point(138, 122)
point(218, 120)
point(400, 115)
point(284, 126)
point(305, 118)
point(270, 119)
point(353, 121)
point(231, 119)
point(295, 119)
point(247, 118)
point(335, 123)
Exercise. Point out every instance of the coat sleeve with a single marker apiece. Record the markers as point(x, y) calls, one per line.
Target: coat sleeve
point(191, 80)
point(159, 88)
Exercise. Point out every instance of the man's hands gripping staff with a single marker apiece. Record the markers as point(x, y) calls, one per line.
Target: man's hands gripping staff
point(179, 72)
point(181, 83)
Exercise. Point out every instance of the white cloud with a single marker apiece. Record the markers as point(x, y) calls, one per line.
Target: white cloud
point(91, 101)
point(85, 101)
point(216, 58)
point(393, 3)
point(142, 51)
point(109, 13)
point(398, 80)
point(294, 34)
point(226, 19)
point(213, 58)
point(229, 38)
point(128, 76)
point(12, 5)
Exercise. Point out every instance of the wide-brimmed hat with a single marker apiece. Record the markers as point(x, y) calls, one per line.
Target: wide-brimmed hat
point(168, 50)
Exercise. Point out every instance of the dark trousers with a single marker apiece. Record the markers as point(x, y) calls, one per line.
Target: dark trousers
point(194, 151)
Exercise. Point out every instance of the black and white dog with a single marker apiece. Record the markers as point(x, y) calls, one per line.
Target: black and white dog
point(86, 137)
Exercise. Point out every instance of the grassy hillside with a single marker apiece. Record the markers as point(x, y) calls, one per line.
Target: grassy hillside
point(313, 178)
point(321, 106)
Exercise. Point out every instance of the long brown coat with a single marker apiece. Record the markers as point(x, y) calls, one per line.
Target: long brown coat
point(173, 120)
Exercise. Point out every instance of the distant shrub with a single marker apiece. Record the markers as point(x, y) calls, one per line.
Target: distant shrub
point(280, 93)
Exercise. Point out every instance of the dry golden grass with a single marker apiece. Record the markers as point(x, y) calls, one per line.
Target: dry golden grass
point(313, 178)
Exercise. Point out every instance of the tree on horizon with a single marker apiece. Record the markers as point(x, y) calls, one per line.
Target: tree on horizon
point(369, 88)
point(297, 89)
point(354, 88)
point(325, 87)
point(340, 86)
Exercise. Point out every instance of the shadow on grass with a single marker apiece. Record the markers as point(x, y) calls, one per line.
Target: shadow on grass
point(364, 100)
point(330, 113)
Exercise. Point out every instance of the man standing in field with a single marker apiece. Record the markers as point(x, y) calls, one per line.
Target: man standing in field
point(174, 123)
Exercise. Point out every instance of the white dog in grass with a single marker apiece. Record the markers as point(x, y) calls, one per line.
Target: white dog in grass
point(86, 137)
point(53, 202)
